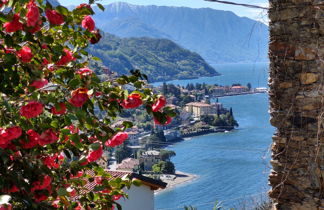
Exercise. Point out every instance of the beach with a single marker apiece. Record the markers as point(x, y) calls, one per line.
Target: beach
point(177, 179)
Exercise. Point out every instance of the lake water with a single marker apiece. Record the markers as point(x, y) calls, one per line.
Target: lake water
point(232, 167)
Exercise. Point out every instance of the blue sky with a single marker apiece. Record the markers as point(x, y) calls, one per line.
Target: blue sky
point(240, 11)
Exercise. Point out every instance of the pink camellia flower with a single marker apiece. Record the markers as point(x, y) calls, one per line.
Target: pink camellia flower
point(133, 101)
point(61, 110)
point(95, 154)
point(47, 137)
point(88, 23)
point(32, 14)
point(54, 17)
point(66, 58)
point(39, 83)
point(3, 2)
point(25, 54)
point(79, 97)
point(159, 104)
point(6, 206)
point(117, 139)
point(31, 110)
point(14, 25)
point(168, 121)
point(84, 72)
point(33, 138)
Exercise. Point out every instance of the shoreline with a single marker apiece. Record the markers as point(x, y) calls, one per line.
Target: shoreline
point(181, 178)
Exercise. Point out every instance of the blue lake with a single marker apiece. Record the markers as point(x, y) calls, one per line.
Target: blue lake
point(232, 167)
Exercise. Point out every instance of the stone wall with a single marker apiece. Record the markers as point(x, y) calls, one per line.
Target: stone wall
point(297, 103)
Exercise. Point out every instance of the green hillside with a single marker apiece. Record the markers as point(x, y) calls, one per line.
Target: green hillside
point(159, 59)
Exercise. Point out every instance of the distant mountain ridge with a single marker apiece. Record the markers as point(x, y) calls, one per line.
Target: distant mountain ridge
point(218, 36)
point(159, 59)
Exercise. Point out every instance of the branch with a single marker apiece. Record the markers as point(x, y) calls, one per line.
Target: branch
point(238, 4)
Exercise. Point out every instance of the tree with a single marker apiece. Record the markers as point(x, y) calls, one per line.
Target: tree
point(167, 154)
point(50, 130)
point(249, 86)
point(122, 152)
point(164, 167)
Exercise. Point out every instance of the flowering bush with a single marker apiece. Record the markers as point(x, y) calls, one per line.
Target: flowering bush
point(55, 114)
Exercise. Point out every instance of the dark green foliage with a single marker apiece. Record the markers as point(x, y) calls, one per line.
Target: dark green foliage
point(164, 167)
point(122, 152)
point(167, 154)
point(223, 120)
point(159, 59)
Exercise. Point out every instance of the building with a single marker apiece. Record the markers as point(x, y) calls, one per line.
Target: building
point(139, 197)
point(133, 138)
point(171, 135)
point(149, 158)
point(198, 109)
point(128, 164)
point(239, 89)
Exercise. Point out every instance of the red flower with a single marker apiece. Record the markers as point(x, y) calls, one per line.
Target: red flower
point(33, 138)
point(47, 137)
point(32, 109)
point(116, 197)
point(95, 154)
point(79, 97)
point(25, 54)
point(5, 206)
point(13, 189)
point(117, 139)
point(96, 37)
point(84, 162)
point(53, 161)
point(32, 14)
point(85, 72)
point(98, 180)
point(14, 25)
point(134, 100)
point(159, 104)
point(88, 23)
point(42, 185)
point(40, 197)
point(45, 62)
point(39, 83)
point(36, 28)
point(84, 6)
point(6, 135)
point(54, 17)
point(61, 110)
point(3, 2)
point(167, 122)
point(66, 58)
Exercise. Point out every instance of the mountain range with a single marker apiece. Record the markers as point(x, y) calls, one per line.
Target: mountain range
point(159, 59)
point(218, 36)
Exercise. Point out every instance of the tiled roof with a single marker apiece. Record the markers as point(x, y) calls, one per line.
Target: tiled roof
point(128, 163)
point(154, 184)
point(200, 104)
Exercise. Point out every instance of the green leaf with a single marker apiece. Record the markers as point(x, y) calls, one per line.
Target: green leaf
point(101, 7)
point(95, 146)
point(55, 123)
point(62, 192)
point(62, 10)
point(137, 182)
point(127, 124)
point(96, 58)
point(74, 83)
